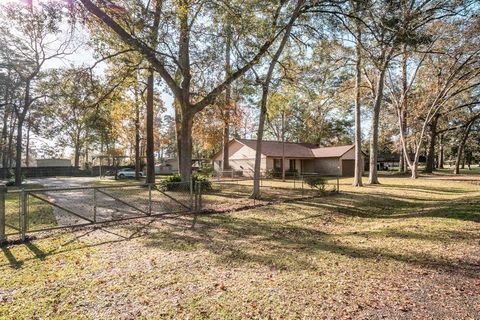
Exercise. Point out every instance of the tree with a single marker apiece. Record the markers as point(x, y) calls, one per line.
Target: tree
point(185, 17)
point(445, 72)
point(265, 84)
point(27, 47)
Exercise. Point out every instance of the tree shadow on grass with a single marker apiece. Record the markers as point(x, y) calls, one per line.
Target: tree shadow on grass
point(286, 246)
point(75, 243)
point(381, 206)
point(427, 189)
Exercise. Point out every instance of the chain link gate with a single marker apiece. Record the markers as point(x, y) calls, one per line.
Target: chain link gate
point(44, 209)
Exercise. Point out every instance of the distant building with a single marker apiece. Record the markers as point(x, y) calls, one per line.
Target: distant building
point(299, 157)
point(167, 166)
point(54, 162)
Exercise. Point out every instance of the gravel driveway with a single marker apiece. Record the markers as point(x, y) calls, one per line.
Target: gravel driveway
point(112, 203)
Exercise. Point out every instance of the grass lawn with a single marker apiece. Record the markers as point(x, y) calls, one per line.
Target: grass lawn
point(404, 249)
point(40, 214)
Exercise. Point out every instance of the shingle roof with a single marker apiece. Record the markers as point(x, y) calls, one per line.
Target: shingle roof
point(296, 150)
point(331, 152)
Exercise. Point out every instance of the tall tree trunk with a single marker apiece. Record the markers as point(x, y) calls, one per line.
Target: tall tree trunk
point(186, 146)
point(228, 97)
point(11, 134)
point(6, 112)
point(76, 161)
point(137, 131)
point(430, 165)
point(357, 179)
point(373, 175)
point(263, 104)
point(461, 146)
point(258, 155)
point(18, 153)
point(4, 138)
point(440, 153)
point(401, 160)
point(404, 101)
point(27, 144)
point(149, 128)
point(21, 119)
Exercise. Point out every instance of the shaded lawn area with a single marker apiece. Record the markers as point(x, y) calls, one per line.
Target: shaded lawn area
point(403, 249)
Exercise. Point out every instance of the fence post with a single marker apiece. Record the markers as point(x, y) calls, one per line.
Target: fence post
point(338, 183)
point(199, 191)
point(3, 191)
point(191, 195)
point(302, 183)
point(94, 205)
point(149, 199)
point(23, 215)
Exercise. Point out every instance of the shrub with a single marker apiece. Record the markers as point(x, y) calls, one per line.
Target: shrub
point(173, 183)
point(173, 178)
point(314, 182)
point(206, 170)
point(11, 178)
point(197, 177)
point(270, 174)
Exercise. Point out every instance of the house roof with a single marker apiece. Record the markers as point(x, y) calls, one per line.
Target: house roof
point(296, 150)
point(331, 152)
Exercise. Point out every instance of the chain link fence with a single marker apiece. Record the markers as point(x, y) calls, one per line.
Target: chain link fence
point(43, 209)
point(231, 194)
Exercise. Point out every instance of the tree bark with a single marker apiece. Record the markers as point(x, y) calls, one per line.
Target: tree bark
point(18, 153)
point(461, 146)
point(76, 161)
point(357, 179)
point(137, 132)
point(6, 112)
point(4, 138)
point(430, 165)
point(21, 119)
point(178, 129)
point(440, 153)
point(404, 113)
point(186, 146)
point(373, 175)
point(228, 97)
point(149, 128)
point(258, 155)
point(263, 105)
point(27, 145)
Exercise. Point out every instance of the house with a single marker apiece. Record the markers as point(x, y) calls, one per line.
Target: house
point(167, 166)
point(299, 157)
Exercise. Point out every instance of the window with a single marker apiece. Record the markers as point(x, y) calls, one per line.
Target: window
point(292, 165)
point(277, 164)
